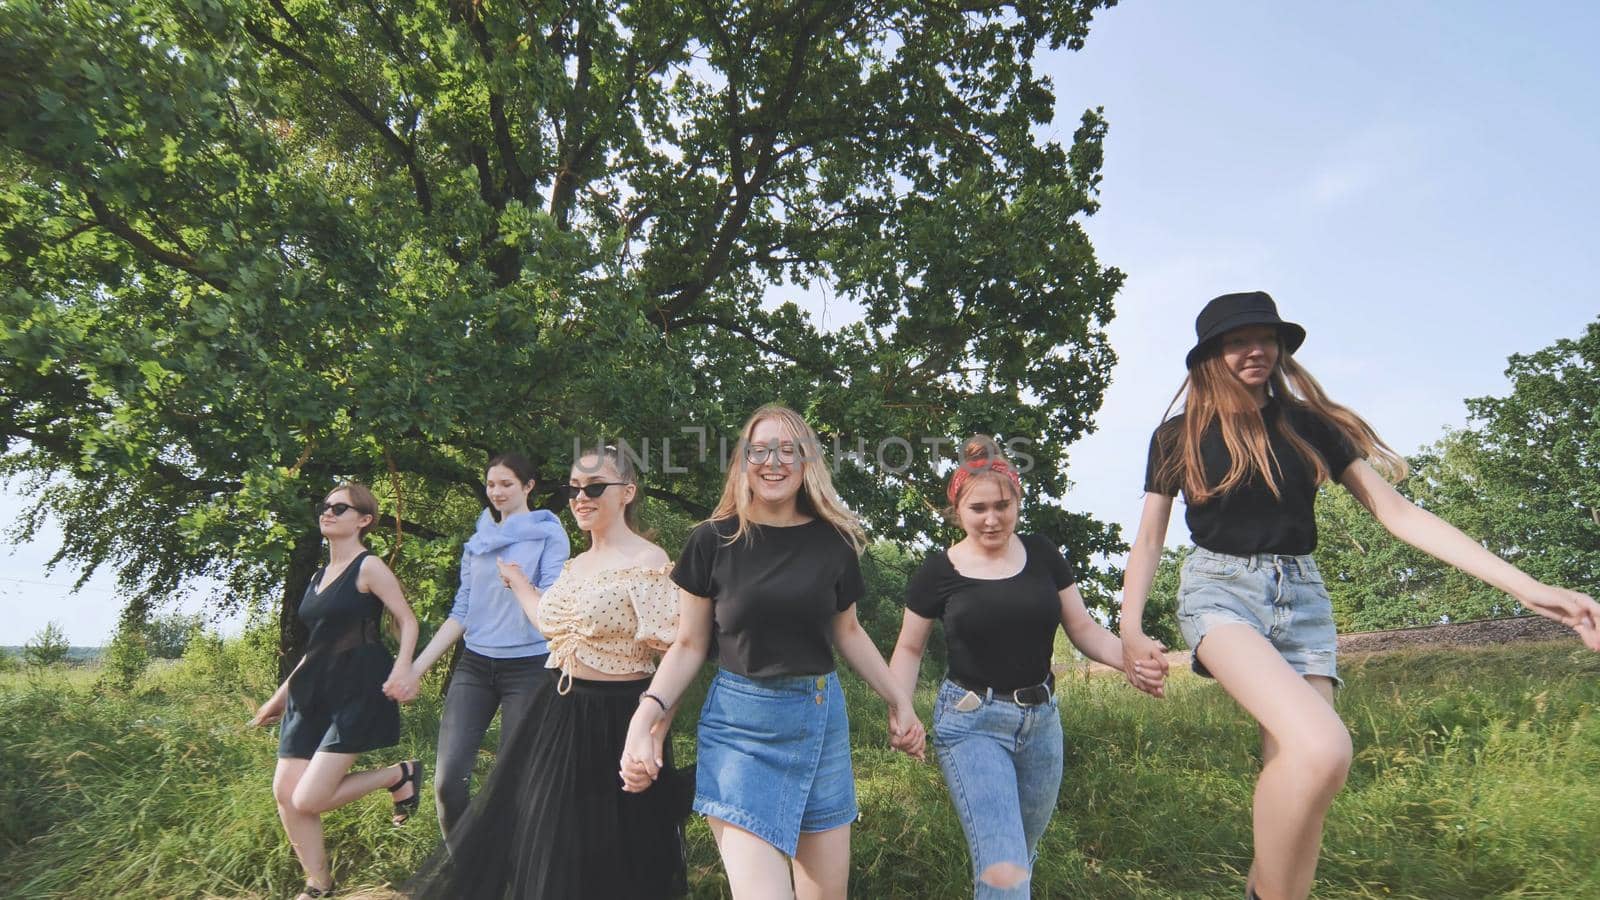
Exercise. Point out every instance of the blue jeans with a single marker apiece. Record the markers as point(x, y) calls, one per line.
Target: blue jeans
point(1003, 765)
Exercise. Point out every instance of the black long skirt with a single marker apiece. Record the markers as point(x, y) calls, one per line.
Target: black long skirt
point(552, 821)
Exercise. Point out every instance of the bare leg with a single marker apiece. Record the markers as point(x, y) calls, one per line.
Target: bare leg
point(822, 864)
point(1306, 755)
point(303, 828)
point(756, 869)
point(328, 783)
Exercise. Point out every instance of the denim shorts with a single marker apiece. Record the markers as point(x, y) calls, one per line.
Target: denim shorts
point(1281, 597)
point(1002, 763)
point(774, 756)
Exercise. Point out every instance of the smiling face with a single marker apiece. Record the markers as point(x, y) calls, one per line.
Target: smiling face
point(987, 512)
point(1250, 354)
point(774, 468)
point(345, 523)
point(507, 494)
point(599, 512)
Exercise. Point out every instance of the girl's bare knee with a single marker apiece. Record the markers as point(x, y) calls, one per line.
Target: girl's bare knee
point(1004, 875)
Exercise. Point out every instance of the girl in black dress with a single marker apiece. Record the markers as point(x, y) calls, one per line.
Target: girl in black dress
point(333, 705)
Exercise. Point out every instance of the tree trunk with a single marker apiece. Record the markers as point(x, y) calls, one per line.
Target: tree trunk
point(303, 560)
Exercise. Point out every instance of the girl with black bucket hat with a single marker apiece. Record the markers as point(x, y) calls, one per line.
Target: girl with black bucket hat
point(1255, 438)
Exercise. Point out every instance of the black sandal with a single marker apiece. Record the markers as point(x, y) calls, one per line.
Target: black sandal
point(410, 773)
point(315, 892)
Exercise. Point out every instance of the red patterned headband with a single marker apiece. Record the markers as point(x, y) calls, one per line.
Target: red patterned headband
point(966, 470)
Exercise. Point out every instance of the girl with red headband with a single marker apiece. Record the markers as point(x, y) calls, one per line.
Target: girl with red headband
point(996, 727)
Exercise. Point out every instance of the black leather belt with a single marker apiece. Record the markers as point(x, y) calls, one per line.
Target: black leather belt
point(1032, 695)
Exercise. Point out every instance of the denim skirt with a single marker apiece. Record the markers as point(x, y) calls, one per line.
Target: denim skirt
point(773, 756)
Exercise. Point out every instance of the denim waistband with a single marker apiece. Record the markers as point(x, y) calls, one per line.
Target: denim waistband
point(1283, 562)
point(779, 684)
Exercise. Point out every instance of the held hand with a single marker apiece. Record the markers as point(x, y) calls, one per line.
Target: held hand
point(905, 730)
point(511, 574)
point(1144, 662)
point(269, 712)
point(403, 685)
point(1575, 610)
point(641, 751)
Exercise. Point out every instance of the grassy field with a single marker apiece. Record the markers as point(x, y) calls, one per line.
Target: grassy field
point(1477, 774)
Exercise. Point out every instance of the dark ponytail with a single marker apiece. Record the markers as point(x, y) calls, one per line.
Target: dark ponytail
point(519, 466)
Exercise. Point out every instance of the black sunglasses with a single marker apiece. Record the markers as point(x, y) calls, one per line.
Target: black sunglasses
point(570, 492)
point(338, 509)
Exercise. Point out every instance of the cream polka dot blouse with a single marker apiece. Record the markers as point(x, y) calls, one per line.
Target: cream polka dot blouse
point(615, 621)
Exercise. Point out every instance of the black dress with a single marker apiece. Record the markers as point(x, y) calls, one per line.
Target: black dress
point(336, 702)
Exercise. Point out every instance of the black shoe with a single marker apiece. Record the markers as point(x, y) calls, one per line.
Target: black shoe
point(410, 773)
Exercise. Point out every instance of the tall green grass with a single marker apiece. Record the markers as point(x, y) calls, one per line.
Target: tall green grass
point(1477, 774)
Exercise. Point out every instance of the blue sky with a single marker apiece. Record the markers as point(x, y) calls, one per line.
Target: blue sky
point(1415, 183)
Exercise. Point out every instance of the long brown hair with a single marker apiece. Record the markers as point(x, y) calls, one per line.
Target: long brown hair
point(817, 496)
point(1211, 393)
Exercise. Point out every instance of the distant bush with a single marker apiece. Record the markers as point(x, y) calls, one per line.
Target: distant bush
point(48, 647)
point(126, 658)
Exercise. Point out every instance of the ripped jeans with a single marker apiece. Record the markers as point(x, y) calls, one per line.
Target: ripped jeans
point(1002, 763)
point(1281, 597)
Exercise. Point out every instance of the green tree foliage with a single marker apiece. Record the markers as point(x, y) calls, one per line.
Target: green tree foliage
point(1521, 479)
point(126, 657)
point(47, 647)
point(248, 249)
point(1535, 463)
point(168, 635)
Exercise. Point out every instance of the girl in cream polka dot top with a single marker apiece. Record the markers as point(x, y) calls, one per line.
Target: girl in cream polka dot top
point(615, 621)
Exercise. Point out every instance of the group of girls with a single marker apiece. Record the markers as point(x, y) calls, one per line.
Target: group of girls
point(585, 801)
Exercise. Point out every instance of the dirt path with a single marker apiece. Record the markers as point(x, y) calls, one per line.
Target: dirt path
point(1464, 634)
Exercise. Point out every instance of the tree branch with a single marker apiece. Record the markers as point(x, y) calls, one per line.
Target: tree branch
point(405, 151)
point(120, 227)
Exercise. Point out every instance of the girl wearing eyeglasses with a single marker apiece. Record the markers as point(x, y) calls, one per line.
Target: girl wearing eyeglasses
point(502, 666)
point(773, 576)
point(996, 729)
point(333, 705)
point(552, 822)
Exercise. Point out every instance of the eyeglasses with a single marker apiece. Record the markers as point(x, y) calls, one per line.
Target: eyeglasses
point(338, 509)
point(760, 453)
point(570, 492)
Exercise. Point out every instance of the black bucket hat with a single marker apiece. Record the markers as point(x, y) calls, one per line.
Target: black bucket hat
point(1231, 311)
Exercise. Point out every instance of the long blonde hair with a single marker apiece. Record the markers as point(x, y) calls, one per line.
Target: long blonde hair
point(1211, 393)
point(817, 496)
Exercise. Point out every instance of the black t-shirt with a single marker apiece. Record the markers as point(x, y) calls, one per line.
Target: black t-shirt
point(773, 596)
point(1000, 631)
point(1249, 519)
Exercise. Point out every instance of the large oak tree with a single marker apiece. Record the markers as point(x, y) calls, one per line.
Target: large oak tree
point(248, 248)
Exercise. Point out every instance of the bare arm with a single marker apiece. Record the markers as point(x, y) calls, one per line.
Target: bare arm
point(1140, 652)
point(376, 579)
point(272, 710)
point(908, 650)
point(443, 640)
point(1443, 541)
point(855, 645)
point(1090, 637)
point(642, 754)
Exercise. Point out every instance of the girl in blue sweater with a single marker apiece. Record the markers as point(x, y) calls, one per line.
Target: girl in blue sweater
point(502, 665)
